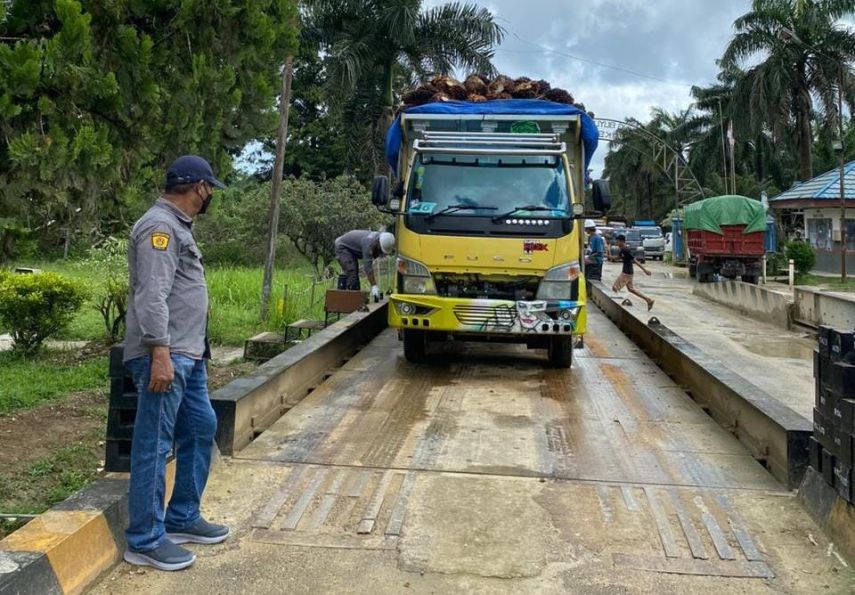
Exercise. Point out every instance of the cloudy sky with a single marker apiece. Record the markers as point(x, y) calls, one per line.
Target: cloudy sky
point(597, 49)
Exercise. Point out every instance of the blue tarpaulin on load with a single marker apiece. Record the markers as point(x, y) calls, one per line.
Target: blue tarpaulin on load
point(521, 107)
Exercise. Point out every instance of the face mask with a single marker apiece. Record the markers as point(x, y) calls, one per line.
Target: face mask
point(205, 204)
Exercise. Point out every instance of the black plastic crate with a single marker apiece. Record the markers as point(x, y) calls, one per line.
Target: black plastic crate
point(823, 401)
point(817, 362)
point(120, 423)
point(842, 342)
point(118, 456)
point(844, 448)
point(843, 481)
point(822, 429)
point(828, 462)
point(842, 413)
point(117, 366)
point(125, 401)
point(841, 380)
point(815, 449)
point(122, 386)
point(824, 340)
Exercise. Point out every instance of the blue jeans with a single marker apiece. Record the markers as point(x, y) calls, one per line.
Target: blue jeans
point(182, 416)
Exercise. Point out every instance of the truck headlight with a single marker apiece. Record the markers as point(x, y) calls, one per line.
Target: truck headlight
point(415, 277)
point(564, 272)
point(557, 283)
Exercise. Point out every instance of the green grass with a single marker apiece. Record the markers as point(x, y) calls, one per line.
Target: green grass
point(29, 382)
point(832, 283)
point(47, 481)
point(235, 294)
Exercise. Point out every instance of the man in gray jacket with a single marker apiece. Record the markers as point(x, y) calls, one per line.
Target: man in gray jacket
point(166, 351)
point(365, 245)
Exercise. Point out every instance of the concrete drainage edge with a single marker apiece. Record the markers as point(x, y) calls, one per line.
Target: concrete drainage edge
point(775, 435)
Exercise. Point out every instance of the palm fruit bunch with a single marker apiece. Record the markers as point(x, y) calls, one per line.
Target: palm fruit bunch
point(478, 88)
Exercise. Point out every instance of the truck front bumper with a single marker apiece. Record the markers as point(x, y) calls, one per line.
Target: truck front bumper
point(487, 317)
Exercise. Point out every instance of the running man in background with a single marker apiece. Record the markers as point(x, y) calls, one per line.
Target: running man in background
point(626, 275)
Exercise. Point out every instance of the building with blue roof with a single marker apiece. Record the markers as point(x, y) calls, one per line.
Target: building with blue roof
point(812, 209)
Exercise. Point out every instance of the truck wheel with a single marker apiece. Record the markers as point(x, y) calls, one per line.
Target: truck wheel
point(415, 346)
point(693, 270)
point(561, 351)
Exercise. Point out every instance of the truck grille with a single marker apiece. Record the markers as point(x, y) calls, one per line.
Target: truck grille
point(497, 316)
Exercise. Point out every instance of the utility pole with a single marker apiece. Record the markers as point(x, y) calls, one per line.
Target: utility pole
point(276, 185)
point(723, 147)
point(838, 146)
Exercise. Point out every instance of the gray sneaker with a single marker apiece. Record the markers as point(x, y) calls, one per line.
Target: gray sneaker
point(167, 556)
point(200, 532)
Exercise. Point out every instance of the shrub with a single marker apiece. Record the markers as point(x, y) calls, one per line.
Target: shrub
point(802, 255)
point(35, 307)
point(314, 214)
point(111, 299)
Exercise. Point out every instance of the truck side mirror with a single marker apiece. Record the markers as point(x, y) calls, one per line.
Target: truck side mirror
point(600, 195)
point(380, 191)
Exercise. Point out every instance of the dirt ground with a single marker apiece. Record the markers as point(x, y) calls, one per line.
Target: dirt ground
point(70, 430)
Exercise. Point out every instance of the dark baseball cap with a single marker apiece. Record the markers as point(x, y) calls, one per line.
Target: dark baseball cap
point(190, 169)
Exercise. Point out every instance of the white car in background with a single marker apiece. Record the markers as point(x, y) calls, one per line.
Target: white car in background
point(653, 242)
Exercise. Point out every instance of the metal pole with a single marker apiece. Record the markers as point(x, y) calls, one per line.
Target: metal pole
point(723, 148)
point(792, 273)
point(276, 186)
point(842, 178)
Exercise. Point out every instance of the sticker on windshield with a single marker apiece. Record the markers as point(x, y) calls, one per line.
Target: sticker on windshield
point(424, 208)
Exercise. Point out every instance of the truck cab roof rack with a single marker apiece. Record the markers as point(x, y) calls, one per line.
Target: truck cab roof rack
point(490, 143)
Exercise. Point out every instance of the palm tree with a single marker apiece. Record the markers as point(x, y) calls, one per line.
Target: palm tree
point(373, 44)
point(799, 52)
point(635, 168)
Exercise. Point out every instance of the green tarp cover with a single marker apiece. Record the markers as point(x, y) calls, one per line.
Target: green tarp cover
point(711, 213)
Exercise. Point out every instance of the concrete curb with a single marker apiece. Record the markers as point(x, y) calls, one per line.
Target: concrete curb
point(249, 405)
point(753, 300)
point(775, 435)
point(68, 547)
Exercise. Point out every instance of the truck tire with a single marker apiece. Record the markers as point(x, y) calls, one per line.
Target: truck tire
point(415, 346)
point(693, 270)
point(561, 351)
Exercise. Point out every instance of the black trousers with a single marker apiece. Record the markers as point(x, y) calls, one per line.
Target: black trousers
point(349, 267)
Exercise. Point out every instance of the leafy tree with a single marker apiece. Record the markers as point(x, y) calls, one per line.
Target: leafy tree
point(111, 298)
point(798, 52)
point(643, 189)
point(96, 98)
point(372, 44)
point(314, 214)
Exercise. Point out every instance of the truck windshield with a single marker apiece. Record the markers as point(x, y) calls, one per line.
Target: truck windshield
point(650, 232)
point(488, 184)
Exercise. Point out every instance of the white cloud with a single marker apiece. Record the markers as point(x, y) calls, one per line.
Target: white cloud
point(676, 41)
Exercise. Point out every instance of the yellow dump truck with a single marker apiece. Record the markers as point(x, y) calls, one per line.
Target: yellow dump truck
point(487, 211)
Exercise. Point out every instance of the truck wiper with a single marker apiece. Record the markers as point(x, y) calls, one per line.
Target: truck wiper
point(455, 208)
point(516, 210)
